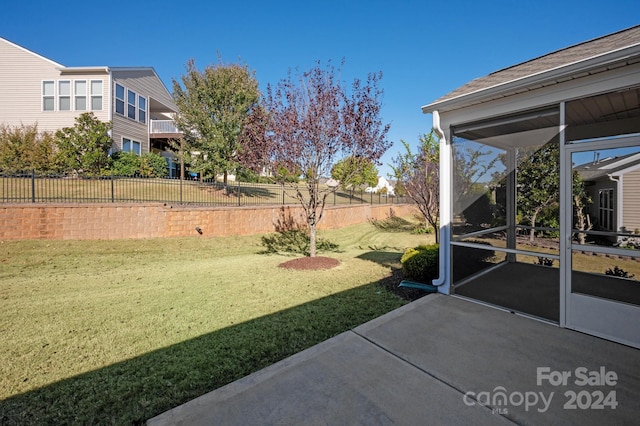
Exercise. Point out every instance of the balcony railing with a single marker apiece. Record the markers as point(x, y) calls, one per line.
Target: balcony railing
point(163, 126)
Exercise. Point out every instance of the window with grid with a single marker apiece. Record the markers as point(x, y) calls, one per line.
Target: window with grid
point(64, 95)
point(119, 99)
point(131, 104)
point(96, 95)
point(606, 208)
point(80, 94)
point(142, 109)
point(48, 95)
point(129, 145)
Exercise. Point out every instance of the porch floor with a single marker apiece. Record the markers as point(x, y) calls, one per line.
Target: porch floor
point(433, 361)
point(535, 290)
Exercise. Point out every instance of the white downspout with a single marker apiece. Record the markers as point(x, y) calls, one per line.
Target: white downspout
point(443, 281)
point(618, 198)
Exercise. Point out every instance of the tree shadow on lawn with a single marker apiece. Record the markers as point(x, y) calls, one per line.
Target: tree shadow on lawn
point(131, 391)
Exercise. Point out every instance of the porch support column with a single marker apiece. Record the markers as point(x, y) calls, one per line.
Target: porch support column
point(511, 207)
point(566, 221)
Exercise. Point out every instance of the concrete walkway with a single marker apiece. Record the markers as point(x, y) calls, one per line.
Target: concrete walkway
point(438, 360)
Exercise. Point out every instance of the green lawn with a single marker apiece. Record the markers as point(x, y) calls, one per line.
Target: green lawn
point(119, 331)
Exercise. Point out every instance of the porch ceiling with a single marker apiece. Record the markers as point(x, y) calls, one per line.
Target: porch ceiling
point(593, 116)
point(159, 107)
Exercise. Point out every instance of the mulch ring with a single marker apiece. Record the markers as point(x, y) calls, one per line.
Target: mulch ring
point(311, 263)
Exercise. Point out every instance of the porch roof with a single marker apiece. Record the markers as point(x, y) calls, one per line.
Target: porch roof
point(587, 58)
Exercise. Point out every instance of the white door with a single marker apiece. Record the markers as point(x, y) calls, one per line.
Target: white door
point(601, 267)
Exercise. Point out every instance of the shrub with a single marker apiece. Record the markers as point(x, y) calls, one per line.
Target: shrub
point(153, 165)
point(125, 164)
point(618, 272)
point(294, 241)
point(24, 148)
point(84, 148)
point(421, 263)
point(545, 261)
point(147, 165)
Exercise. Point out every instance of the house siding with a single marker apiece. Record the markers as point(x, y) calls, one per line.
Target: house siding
point(631, 200)
point(21, 75)
point(145, 83)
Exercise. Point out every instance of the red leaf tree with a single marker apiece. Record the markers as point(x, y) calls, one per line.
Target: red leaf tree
point(314, 121)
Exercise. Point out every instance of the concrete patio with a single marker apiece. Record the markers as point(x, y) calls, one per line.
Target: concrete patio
point(438, 360)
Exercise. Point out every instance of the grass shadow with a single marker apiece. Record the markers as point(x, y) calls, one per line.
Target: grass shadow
point(355, 198)
point(232, 190)
point(132, 391)
point(394, 224)
point(391, 259)
point(382, 257)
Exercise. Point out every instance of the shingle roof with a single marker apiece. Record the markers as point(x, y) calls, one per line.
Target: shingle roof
point(612, 165)
point(550, 61)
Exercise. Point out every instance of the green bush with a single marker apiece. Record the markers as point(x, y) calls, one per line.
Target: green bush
point(125, 164)
point(421, 263)
point(23, 148)
point(295, 241)
point(147, 165)
point(153, 165)
point(619, 272)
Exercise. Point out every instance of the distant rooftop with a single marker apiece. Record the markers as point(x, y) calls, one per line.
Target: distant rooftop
point(607, 166)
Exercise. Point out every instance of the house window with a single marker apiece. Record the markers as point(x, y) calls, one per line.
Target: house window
point(606, 208)
point(119, 99)
point(96, 95)
point(142, 109)
point(129, 145)
point(48, 95)
point(64, 95)
point(80, 93)
point(131, 104)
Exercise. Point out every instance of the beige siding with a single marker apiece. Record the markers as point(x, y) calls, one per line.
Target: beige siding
point(144, 82)
point(124, 127)
point(21, 75)
point(631, 200)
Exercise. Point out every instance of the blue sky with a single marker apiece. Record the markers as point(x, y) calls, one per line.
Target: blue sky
point(424, 48)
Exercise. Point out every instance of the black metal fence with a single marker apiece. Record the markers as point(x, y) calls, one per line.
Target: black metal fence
point(32, 187)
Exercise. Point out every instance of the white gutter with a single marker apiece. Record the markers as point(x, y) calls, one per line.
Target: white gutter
point(78, 70)
point(445, 205)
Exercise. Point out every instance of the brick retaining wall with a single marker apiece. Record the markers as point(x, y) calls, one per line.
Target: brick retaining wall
point(118, 221)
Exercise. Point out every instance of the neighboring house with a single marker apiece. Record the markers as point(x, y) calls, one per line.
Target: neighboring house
point(383, 185)
point(586, 99)
point(613, 185)
point(35, 89)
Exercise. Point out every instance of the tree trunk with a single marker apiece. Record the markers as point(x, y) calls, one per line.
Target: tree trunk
point(584, 221)
point(532, 232)
point(312, 240)
point(436, 231)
